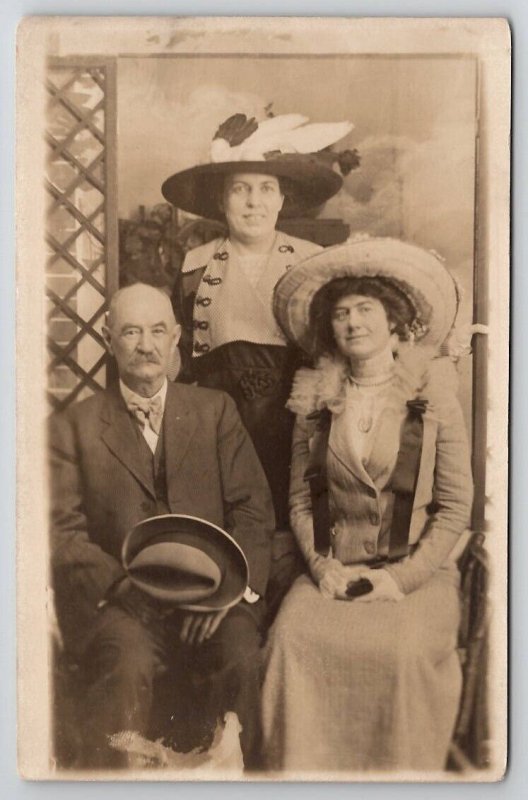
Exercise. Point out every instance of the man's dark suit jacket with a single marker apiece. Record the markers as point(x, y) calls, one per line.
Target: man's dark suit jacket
point(100, 490)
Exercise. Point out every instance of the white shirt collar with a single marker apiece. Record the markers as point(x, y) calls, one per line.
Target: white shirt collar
point(127, 393)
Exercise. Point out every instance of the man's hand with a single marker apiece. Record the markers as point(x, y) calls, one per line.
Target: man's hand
point(136, 603)
point(198, 626)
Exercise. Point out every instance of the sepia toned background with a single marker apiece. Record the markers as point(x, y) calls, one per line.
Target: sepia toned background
point(109, 115)
point(414, 128)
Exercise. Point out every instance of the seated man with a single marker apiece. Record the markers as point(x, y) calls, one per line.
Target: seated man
point(141, 448)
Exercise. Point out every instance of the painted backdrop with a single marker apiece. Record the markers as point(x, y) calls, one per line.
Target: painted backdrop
point(414, 127)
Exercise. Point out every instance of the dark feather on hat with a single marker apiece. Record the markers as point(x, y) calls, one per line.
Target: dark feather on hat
point(236, 129)
point(346, 159)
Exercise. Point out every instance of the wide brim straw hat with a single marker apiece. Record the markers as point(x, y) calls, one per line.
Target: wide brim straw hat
point(185, 561)
point(283, 146)
point(420, 274)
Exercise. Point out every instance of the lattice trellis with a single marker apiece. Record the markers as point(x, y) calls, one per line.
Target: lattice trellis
point(77, 265)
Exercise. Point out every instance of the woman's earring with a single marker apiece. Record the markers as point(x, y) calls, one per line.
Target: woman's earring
point(410, 337)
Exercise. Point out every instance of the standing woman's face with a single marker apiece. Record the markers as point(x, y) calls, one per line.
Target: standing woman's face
point(361, 327)
point(251, 204)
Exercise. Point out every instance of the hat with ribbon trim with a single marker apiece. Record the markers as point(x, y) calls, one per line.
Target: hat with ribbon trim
point(185, 561)
point(284, 146)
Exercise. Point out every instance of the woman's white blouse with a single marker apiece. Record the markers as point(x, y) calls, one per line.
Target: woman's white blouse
point(234, 298)
point(362, 404)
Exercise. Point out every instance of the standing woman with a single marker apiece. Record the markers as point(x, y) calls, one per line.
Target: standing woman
point(370, 681)
point(257, 173)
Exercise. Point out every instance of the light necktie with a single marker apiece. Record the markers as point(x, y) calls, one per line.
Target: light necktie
point(147, 410)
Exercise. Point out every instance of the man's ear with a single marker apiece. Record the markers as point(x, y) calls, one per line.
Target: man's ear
point(107, 336)
point(177, 332)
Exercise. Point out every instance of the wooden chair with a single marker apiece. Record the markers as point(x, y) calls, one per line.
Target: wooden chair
point(470, 746)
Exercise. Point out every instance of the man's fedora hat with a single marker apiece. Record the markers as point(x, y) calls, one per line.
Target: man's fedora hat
point(185, 561)
point(283, 146)
point(420, 274)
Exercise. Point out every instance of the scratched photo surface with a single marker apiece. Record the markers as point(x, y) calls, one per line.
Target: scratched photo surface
point(422, 162)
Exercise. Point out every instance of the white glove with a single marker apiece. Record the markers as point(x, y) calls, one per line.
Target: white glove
point(334, 579)
point(384, 586)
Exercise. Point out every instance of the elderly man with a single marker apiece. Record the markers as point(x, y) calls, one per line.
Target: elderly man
point(141, 448)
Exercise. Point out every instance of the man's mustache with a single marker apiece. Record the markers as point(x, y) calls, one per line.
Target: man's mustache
point(146, 360)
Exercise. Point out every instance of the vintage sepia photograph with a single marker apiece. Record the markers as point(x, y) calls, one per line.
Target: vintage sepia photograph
point(263, 282)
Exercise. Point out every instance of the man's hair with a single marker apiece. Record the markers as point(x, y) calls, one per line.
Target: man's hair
point(120, 292)
point(398, 308)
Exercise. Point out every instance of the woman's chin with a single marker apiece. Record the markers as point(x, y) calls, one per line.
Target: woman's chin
point(357, 353)
point(256, 232)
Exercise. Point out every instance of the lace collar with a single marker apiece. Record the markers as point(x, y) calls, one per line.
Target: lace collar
point(414, 375)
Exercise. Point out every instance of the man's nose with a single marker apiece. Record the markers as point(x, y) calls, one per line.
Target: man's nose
point(146, 342)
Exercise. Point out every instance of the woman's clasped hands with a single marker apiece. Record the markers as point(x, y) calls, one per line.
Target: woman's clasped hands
point(337, 576)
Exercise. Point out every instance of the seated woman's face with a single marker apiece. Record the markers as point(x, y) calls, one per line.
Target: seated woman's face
point(251, 204)
point(361, 327)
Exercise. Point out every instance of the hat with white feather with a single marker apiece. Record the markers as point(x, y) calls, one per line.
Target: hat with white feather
point(284, 146)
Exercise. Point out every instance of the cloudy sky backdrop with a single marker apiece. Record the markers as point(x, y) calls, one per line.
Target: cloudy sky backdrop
point(414, 126)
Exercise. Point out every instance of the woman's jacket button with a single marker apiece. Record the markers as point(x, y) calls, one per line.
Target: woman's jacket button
point(370, 547)
point(374, 519)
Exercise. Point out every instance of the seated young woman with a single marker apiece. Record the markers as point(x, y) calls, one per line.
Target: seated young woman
point(370, 682)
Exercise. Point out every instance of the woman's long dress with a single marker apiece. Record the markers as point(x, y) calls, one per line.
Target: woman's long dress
point(362, 686)
point(365, 686)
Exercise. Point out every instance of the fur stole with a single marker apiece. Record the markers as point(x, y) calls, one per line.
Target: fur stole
point(417, 373)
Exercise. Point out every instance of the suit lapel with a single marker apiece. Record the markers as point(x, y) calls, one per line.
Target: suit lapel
point(120, 436)
point(385, 442)
point(341, 448)
point(387, 439)
point(279, 260)
point(179, 423)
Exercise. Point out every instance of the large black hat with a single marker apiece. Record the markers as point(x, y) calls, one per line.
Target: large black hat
point(282, 146)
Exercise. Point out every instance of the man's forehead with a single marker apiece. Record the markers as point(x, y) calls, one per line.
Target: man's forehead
point(147, 306)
